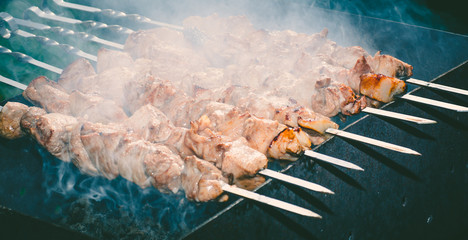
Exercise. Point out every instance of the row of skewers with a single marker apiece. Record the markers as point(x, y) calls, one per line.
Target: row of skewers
point(224, 135)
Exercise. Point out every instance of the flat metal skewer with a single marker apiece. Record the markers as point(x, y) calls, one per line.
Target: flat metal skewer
point(30, 60)
point(332, 160)
point(437, 86)
point(269, 201)
point(371, 141)
point(114, 13)
point(64, 31)
point(12, 83)
point(400, 116)
point(435, 103)
point(296, 181)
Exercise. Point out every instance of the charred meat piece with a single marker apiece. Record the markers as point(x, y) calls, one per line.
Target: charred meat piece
point(232, 155)
point(53, 132)
point(390, 66)
point(258, 132)
point(304, 117)
point(201, 180)
point(352, 77)
point(332, 98)
point(381, 87)
point(10, 120)
point(48, 95)
point(30, 118)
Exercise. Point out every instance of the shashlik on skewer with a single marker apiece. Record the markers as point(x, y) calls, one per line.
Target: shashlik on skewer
point(151, 124)
point(382, 64)
point(110, 150)
point(127, 78)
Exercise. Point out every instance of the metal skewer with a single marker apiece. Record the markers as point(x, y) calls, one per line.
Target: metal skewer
point(270, 201)
point(437, 86)
point(332, 160)
point(28, 59)
point(50, 42)
point(295, 181)
point(435, 103)
point(56, 30)
point(12, 83)
point(89, 23)
point(115, 13)
point(371, 141)
point(400, 116)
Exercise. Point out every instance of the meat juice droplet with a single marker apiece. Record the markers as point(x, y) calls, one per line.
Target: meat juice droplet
point(429, 219)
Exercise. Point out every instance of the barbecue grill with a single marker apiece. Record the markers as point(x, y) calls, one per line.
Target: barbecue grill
point(398, 196)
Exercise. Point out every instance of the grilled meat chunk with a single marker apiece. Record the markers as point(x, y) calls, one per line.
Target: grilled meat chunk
point(30, 118)
point(108, 59)
point(201, 180)
point(241, 161)
point(48, 95)
point(380, 87)
point(53, 132)
point(101, 142)
point(150, 123)
point(71, 76)
point(390, 66)
point(96, 109)
point(10, 120)
point(79, 155)
point(232, 155)
point(329, 93)
point(164, 167)
point(258, 132)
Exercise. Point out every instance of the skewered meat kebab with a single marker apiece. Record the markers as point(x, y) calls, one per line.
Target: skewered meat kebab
point(152, 125)
point(331, 132)
point(137, 160)
point(279, 61)
point(10, 21)
point(395, 65)
point(280, 149)
point(158, 94)
point(177, 105)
